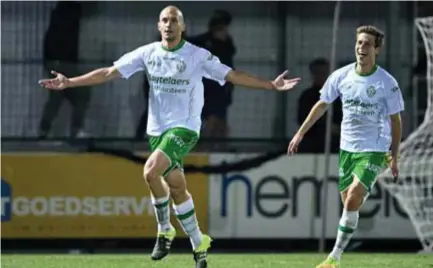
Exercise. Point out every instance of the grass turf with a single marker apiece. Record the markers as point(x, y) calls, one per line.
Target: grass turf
point(215, 261)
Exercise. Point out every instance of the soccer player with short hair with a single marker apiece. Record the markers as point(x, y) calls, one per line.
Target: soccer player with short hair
point(175, 69)
point(371, 126)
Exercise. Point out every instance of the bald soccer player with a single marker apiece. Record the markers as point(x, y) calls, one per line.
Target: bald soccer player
point(175, 69)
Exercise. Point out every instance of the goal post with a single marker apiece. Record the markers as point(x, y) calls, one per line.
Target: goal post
point(414, 187)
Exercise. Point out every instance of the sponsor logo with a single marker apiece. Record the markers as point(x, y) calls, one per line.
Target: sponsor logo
point(168, 81)
point(20, 206)
point(287, 195)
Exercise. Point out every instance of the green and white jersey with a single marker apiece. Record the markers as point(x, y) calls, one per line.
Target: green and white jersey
point(175, 76)
point(367, 101)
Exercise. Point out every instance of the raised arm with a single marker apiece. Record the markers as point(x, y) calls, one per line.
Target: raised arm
point(280, 83)
point(219, 72)
point(94, 77)
point(125, 67)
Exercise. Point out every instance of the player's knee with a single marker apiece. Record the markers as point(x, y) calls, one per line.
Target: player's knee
point(150, 174)
point(355, 196)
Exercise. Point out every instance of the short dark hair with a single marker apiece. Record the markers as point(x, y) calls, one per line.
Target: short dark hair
point(318, 63)
point(374, 31)
point(220, 18)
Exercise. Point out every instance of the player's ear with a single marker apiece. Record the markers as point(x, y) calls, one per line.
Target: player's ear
point(377, 51)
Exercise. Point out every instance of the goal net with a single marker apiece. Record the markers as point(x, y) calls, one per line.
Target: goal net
point(414, 188)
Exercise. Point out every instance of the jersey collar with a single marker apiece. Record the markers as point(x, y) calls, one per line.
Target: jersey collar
point(177, 47)
point(373, 70)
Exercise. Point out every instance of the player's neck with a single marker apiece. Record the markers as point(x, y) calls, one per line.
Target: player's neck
point(365, 70)
point(172, 45)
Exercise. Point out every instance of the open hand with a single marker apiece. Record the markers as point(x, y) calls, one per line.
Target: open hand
point(282, 84)
point(60, 82)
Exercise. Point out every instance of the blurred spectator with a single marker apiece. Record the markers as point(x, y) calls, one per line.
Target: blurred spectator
point(314, 140)
point(61, 46)
point(142, 123)
point(217, 98)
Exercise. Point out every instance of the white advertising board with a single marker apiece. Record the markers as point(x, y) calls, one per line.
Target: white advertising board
point(281, 199)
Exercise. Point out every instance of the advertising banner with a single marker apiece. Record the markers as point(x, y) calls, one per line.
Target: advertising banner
point(281, 199)
point(83, 196)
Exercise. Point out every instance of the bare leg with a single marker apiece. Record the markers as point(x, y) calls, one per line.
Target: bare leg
point(352, 198)
point(184, 207)
point(155, 166)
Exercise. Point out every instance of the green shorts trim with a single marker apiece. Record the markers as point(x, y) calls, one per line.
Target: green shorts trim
point(366, 166)
point(175, 143)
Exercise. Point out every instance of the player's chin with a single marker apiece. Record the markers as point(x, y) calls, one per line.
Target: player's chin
point(171, 37)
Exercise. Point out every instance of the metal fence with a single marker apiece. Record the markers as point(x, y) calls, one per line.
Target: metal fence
point(268, 35)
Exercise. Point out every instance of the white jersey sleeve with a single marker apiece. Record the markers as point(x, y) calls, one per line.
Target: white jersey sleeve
point(131, 62)
point(213, 68)
point(329, 92)
point(393, 98)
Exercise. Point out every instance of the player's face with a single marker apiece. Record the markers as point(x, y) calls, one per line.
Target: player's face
point(170, 25)
point(365, 49)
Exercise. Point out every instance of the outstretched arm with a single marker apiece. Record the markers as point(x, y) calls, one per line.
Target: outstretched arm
point(243, 79)
point(125, 67)
point(94, 77)
point(219, 72)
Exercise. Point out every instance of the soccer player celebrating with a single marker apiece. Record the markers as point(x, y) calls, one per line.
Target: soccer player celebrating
point(371, 126)
point(175, 69)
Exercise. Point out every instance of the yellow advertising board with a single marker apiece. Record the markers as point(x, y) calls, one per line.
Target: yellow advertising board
point(84, 196)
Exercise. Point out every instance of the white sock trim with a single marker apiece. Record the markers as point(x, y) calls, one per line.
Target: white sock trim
point(185, 207)
point(349, 219)
point(161, 200)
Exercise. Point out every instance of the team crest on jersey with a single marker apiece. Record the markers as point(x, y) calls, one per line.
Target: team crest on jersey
point(371, 91)
point(181, 66)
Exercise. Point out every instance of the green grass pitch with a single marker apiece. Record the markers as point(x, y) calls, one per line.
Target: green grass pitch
point(215, 261)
